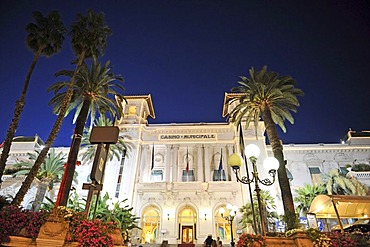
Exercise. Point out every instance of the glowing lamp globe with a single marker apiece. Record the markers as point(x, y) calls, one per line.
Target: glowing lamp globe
point(235, 161)
point(252, 150)
point(271, 163)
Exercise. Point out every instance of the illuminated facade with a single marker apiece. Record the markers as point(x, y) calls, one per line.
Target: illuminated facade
point(176, 177)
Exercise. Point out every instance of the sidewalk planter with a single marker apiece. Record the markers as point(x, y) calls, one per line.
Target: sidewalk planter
point(17, 241)
point(301, 239)
point(117, 237)
point(279, 241)
point(53, 233)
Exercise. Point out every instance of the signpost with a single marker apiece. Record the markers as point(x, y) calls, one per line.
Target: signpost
point(103, 136)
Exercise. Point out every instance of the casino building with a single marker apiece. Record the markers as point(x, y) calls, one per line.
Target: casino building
point(176, 176)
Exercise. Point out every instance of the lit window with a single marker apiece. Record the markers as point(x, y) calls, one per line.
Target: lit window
point(315, 175)
point(150, 225)
point(156, 176)
point(188, 176)
point(219, 175)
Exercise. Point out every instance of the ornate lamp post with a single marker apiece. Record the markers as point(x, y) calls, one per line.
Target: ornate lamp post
point(270, 164)
point(230, 218)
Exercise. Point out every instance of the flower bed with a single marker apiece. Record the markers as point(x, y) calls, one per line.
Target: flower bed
point(21, 227)
point(16, 221)
point(306, 238)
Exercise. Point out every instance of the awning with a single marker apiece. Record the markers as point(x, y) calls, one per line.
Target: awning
point(347, 206)
point(340, 206)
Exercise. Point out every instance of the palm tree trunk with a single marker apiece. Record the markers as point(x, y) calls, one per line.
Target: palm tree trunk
point(17, 114)
point(40, 194)
point(277, 149)
point(49, 142)
point(73, 153)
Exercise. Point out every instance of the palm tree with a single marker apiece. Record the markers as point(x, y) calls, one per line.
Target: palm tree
point(272, 97)
point(269, 205)
point(115, 150)
point(89, 35)
point(92, 93)
point(45, 38)
point(305, 195)
point(337, 184)
point(51, 171)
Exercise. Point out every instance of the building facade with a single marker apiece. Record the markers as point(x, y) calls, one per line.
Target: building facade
point(176, 176)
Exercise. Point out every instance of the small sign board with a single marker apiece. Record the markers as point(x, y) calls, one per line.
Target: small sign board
point(104, 134)
point(280, 225)
point(320, 224)
point(312, 222)
point(99, 164)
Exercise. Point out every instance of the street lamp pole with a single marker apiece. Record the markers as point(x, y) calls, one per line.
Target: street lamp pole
point(229, 218)
point(271, 164)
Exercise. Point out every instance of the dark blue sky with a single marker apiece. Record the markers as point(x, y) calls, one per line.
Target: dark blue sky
point(187, 53)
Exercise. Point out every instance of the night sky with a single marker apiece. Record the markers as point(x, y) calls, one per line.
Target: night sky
point(188, 53)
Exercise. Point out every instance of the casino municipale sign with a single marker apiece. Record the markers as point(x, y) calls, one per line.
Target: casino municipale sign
point(188, 137)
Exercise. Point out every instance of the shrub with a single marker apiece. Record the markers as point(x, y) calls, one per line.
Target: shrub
point(247, 240)
point(361, 168)
point(93, 234)
point(341, 240)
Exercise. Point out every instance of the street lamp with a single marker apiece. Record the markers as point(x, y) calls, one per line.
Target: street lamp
point(270, 164)
point(229, 218)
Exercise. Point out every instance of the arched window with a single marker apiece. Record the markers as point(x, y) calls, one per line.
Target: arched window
point(150, 225)
point(223, 229)
point(187, 215)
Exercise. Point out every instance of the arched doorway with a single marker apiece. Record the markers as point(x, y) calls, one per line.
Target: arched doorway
point(223, 228)
point(187, 225)
point(150, 225)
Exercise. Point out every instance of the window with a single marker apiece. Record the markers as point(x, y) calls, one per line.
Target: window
point(343, 170)
point(219, 175)
point(315, 175)
point(223, 226)
point(150, 225)
point(188, 176)
point(120, 173)
point(156, 176)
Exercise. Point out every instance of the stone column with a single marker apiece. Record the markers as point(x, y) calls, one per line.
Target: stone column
point(207, 164)
point(175, 162)
point(225, 166)
point(230, 151)
point(167, 171)
point(200, 174)
point(144, 151)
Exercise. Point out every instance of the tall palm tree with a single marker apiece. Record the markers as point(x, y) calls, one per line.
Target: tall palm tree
point(272, 97)
point(89, 35)
point(115, 150)
point(51, 171)
point(305, 195)
point(45, 38)
point(337, 184)
point(93, 92)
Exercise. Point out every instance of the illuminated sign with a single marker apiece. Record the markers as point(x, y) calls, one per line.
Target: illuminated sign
point(187, 136)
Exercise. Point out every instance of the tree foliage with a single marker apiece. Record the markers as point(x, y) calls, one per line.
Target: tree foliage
point(45, 37)
point(337, 184)
point(51, 171)
point(305, 195)
point(272, 97)
point(268, 203)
